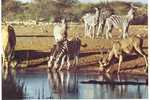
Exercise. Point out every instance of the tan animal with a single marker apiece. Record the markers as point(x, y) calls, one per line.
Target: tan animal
point(128, 45)
point(8, 44)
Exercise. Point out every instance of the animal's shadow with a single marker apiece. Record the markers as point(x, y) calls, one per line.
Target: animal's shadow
point(35, 36)
point(84, 54)
point(30, 54)
point(22, 55)
point(31, 58)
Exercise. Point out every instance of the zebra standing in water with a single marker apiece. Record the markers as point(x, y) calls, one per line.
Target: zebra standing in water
point(120, 22)
point(64, 50)
point(105, 12)
point(57, 52)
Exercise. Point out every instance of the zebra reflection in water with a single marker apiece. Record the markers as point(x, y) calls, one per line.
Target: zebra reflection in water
point(62, 83)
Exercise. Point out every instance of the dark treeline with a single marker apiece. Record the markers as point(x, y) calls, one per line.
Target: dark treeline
point(48, 10)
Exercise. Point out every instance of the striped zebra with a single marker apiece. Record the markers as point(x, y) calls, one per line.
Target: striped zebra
point(58, 49)
point(90, 22)
point(105, 12)
point(64, 50)
point(60, 30)
point(120, 22)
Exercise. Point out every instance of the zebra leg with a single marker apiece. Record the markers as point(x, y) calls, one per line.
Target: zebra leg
point(106, 34)
point(89, 32)
point(85, 30)
point(98, 30)
point(55, 64)
point(110, 30)
point(68, 62)
point(124, 35)
point(50, 62)
point(62, 62)
point(93, 33)
point(125, 31)
point(110, 35)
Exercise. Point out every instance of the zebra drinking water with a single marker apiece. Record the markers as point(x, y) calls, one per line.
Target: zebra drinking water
point(64, 50)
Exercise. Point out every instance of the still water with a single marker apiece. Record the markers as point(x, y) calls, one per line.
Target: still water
point(48, 85)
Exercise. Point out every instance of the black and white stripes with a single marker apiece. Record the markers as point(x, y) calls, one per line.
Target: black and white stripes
point(64, 50)
point(104, 14)
point(121, 22)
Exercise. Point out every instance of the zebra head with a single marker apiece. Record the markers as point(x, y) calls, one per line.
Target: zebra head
point(132, 9)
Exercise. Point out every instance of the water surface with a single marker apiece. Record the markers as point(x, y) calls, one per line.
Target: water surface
point(47, 85)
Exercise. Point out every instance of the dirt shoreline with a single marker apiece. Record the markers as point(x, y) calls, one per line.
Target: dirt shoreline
point(32, 52)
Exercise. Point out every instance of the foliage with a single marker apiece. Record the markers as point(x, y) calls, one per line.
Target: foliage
point(48, 10)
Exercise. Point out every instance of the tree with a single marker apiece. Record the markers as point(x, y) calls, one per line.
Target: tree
point(53, 8)
point(10, 8)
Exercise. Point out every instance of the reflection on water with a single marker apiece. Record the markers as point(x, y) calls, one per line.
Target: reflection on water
point(68, 85)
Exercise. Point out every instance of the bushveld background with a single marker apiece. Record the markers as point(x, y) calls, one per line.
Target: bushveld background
point(48, 10)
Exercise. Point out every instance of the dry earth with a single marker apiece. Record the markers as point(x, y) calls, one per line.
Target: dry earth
point(34, 42)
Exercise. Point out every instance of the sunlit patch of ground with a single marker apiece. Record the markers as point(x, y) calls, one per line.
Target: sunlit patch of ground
point(34, 42)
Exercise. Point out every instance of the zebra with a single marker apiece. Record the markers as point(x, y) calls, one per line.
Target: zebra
point(57, 49)
point(105, 12)
point(90, 22)
point(60, 30)
point(121, 22)
point(65, 50)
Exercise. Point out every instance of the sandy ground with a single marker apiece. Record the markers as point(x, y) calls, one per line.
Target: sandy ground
point(33, 44)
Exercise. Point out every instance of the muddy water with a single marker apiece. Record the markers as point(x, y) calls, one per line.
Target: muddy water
point(48, 85)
